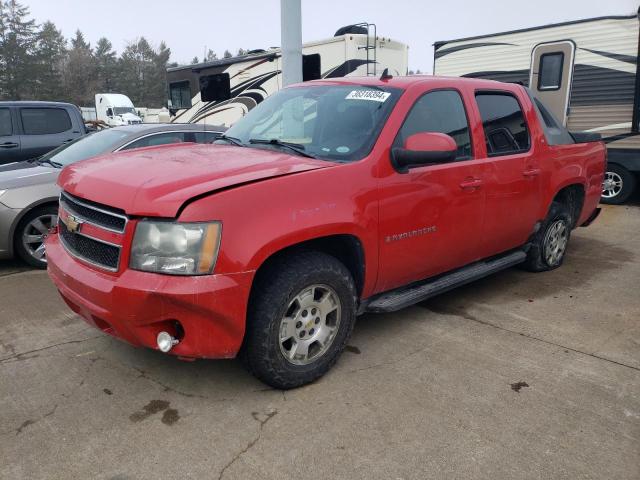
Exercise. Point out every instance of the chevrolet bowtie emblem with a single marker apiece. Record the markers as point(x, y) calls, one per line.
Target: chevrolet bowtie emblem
point(72, 223)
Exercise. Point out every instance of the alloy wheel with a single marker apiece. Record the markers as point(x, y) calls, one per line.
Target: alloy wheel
point(555, 242)
point(612, 185)
point(310, 324)
point(34, 234)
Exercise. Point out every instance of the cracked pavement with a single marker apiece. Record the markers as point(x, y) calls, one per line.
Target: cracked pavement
point(520, 375)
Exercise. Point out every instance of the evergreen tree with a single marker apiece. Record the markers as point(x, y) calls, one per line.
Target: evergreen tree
point(194, 60)
point(227, 54)
point(211, 56)
point(106, 64)
point(17, 45)
point(161, 63)
point(50, 55)
point(80, 74)
point(137, 72)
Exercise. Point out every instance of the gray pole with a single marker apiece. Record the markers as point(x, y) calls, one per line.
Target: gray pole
point(291, 37)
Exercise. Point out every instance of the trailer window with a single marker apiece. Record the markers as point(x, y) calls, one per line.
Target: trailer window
point(311, 67)
point(505, 128)
point(215, 88)
point(550, 71)
point(180, 95)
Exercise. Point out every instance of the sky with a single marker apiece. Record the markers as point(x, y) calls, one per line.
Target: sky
point(188, 26)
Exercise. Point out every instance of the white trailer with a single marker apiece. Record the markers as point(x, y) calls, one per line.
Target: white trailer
point(585, 71)
point(222, 91)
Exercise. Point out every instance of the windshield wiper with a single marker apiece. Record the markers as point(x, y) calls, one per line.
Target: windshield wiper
point(50, 162)
point(295, 147)
point(235, 141)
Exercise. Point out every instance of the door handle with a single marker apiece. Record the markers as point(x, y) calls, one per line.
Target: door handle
point(8, 145)
point(532, 172)
point(471, 183)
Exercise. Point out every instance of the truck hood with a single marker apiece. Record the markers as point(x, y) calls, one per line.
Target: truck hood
point(130, 117)
point(26, 174)
point(157, 181)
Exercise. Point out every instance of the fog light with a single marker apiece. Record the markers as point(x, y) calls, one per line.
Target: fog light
point(166, 342)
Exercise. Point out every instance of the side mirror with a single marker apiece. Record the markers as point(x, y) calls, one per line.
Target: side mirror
point(424, 148)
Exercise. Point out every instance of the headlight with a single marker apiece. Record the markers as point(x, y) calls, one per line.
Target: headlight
point(175, 248)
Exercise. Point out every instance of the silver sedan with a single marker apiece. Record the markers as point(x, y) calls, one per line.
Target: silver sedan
point(28, 190)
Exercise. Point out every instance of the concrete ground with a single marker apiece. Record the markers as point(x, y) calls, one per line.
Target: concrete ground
point(520, 375)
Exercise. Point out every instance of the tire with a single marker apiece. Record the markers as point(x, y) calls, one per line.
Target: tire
point(302, 298)
point(549, 244)
point(28, 239)
point(619, 183)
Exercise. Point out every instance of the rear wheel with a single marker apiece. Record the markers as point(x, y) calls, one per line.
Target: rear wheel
point(618, 185)
point(549, 244)
point(301, 315)
point(31, 232)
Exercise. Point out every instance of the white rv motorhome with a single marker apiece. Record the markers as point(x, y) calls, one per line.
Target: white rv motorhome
point(116, 109)
point(222, 91)
point(585, 72)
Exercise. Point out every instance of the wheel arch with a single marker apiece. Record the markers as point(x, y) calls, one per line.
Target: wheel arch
point(572, 195)
point(345, 247)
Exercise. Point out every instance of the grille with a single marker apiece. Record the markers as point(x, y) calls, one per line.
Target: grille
point(92, 251)
point(97, 215)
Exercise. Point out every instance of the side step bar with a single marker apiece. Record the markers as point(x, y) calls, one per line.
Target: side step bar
point(405, 296)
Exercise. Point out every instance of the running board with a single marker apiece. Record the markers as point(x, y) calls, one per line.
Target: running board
point(400, 298)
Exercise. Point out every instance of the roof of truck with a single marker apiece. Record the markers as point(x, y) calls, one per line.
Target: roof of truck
point(33, 103)
point(405, 82)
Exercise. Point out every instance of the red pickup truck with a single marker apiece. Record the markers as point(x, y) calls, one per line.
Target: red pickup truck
point(329, 199)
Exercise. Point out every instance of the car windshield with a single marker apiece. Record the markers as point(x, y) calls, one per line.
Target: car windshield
point(339, 123)
point(85, 147)
point(122, 110)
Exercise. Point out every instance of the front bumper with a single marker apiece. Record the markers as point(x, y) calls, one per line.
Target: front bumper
point(135, 306)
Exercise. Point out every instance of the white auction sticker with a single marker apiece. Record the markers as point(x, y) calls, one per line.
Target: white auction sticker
point(373, 95)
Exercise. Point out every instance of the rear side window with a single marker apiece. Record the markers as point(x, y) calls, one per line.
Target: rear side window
point(550, 74)
point(5, 122)
point(201, 137)
point(44, 121)
point(157, 139)
point(505, 129)
point(441, 111)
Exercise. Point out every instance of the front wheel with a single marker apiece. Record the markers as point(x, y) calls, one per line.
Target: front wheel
point(549, 244)
point(31, 232)
point(301, 314)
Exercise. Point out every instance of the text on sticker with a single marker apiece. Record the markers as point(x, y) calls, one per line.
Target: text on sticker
point(373, 95)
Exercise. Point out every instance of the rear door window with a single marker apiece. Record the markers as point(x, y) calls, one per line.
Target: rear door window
point(441, 111)
point(44, 121)
point(6, 128)
point(505, 128)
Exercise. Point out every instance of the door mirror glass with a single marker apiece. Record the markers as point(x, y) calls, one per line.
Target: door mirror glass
point(424, 148)
point(109, 112)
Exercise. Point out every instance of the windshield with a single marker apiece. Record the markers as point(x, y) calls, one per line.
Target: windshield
point(122, 110)
point(85, 147)
point(330, 122)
